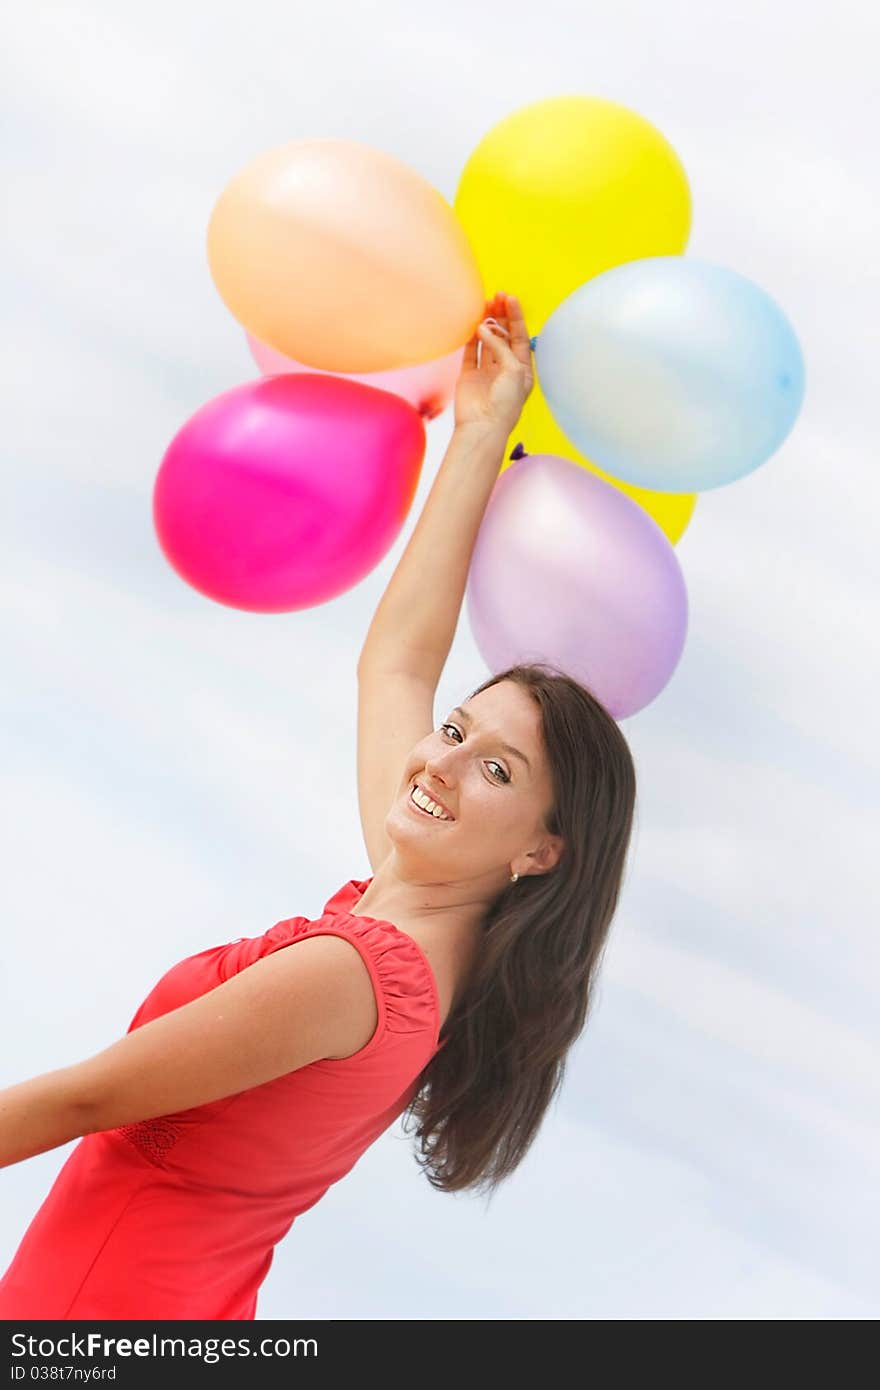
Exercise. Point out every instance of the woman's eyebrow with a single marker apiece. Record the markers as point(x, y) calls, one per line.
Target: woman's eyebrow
point(508, 748)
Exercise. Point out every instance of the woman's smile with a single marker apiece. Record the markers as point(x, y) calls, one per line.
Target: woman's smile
point(415, 790)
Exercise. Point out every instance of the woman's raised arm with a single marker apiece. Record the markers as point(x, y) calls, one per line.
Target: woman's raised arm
point(414, 624)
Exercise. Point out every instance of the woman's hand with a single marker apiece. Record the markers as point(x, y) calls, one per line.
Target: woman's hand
point(496, 371)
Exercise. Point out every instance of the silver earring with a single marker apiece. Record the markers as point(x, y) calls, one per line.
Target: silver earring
point(514, 877)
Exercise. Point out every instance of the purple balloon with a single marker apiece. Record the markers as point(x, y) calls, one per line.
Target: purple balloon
point(569, 571)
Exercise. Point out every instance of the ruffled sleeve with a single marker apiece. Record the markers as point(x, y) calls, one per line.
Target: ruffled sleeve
point(407, 1001)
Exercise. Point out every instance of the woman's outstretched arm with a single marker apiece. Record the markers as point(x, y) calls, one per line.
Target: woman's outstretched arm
point(414, 625)
point(40, 1114)
point(310, 1000)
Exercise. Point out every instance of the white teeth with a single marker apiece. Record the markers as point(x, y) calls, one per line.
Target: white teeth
point(420, 798)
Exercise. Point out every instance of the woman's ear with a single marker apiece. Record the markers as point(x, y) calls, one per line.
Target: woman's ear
point(548, 855)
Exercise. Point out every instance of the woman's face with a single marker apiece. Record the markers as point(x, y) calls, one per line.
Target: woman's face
point(496, 799)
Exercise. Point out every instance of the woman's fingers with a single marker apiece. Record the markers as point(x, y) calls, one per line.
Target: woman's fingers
point(496, 344)
point(519, 334)
point(510, 338)
point(507, 310)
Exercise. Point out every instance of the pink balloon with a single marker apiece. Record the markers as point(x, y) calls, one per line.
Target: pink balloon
point(568, 570)
point(428, 387)
point(282, 493)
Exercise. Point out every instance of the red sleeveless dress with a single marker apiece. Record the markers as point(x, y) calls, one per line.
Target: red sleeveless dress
point(178, 1217)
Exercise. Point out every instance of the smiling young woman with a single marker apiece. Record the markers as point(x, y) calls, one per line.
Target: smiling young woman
point(446, 988)
point(514, 896)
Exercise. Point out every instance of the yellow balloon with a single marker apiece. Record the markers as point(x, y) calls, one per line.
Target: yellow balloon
point(565, 188)
point(344, 258)
point(539, 433)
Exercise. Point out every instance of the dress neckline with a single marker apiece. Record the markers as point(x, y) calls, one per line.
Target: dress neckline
point(355, 890)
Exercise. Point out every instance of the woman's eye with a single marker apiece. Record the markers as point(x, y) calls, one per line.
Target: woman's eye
point(503, 775)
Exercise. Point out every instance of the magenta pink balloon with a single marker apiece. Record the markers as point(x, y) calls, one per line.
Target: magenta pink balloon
point(569, 571)
point(282, 493)
point(429, 387)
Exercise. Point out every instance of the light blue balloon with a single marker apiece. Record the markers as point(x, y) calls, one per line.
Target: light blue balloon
point(671, 373)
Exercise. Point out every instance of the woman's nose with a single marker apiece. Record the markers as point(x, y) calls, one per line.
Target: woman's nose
point(441, 766)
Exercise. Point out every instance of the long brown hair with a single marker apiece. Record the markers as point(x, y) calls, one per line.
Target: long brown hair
point(483, 1095)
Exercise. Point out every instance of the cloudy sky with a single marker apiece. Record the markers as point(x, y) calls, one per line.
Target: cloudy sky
point(177, 773)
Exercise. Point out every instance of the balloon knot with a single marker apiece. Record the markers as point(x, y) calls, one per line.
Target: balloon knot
point(519, 452)
point(430, 408)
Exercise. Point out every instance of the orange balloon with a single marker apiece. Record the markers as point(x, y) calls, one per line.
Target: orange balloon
point(344, 258)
